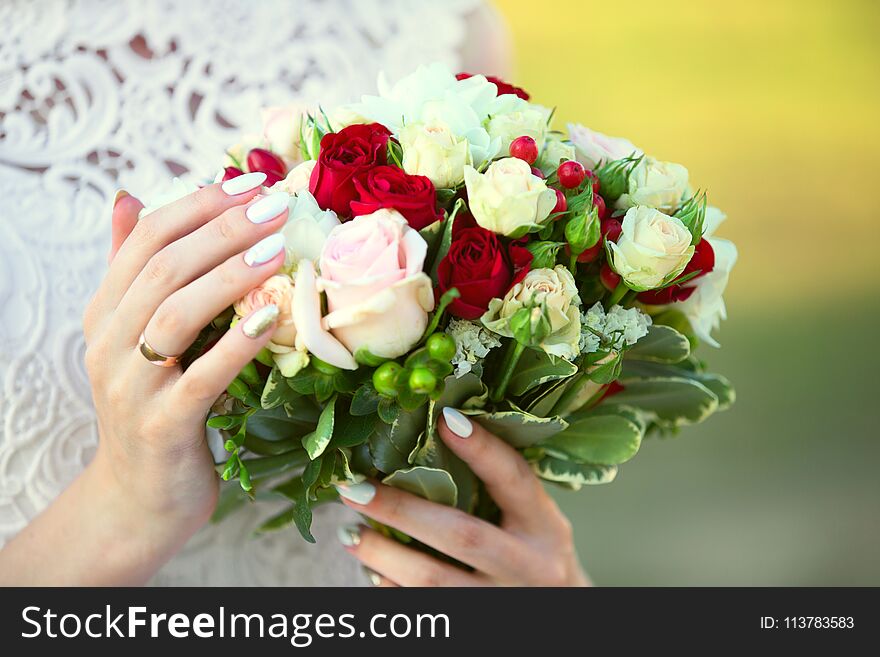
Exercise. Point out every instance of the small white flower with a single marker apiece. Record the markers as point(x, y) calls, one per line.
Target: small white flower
point(472, 344)
point(620, 326)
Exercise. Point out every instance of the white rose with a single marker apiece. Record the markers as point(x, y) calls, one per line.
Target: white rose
point(653, 248)
point(594, 148)
point(508, 198)
point(705, 307)
point(306, 229)
point(556, 290)
point(297, 178)
point(555, 151)
point(431, 95)
point(511, 117)
point(435, 152)
point(659, 185)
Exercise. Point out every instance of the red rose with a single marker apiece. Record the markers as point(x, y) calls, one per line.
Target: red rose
point(389, 187)
point(703, 261)
point(481, 267)
point(503, 87)
point(343, 155)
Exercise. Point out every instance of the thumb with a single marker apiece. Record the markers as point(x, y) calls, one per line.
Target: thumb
point(125, 215)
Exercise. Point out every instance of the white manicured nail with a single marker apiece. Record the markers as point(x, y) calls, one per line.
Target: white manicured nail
point(264, 250)
point(457, 423)
point(267, 207)
point(349, 535)
point(243, 183)
point(362, 493)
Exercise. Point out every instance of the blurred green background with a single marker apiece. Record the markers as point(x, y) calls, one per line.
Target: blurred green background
point(774, 107)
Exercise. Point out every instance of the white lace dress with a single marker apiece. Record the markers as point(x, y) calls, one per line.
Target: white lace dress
point(82, 114)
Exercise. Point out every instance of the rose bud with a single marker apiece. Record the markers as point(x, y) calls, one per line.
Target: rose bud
point(537, 172)
point(525, 148)
point(571, 174)
point(594, 179)
point(561, 203)
point(608, 277)
point(601, 208)
point(611, 229)
point(231, 172)
point(259, 159)
point(588, 255)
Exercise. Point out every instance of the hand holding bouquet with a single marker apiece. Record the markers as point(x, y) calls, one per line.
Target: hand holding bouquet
point(445, 248)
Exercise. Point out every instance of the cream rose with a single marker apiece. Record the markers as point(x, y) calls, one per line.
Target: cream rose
point(593, 148)
point(432, 150)
point(378, 297)
point(555, 151)
point(511, 117)
point(297, 178)
point(281, 130)
point(508, 198)
point(556, 291)
point(653, 248)
point(276, 290)
point(658, 185)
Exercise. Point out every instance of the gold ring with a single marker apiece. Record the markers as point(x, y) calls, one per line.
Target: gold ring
point(155, 358)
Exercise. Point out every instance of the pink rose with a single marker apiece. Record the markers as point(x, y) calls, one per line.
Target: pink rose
point(378, 296)
point(278, 290)
point(594, 148)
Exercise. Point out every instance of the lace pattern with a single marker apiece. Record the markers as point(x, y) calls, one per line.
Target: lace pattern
point(83, 113)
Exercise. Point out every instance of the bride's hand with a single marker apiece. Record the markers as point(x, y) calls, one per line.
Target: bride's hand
point(532, 547)
point(170, 274)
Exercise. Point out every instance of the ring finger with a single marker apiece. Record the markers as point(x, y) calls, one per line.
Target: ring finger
point(192, 256)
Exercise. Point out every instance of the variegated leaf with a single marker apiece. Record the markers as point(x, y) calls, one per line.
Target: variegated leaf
point(663, 344)
point(574, 475)
point(432, 484)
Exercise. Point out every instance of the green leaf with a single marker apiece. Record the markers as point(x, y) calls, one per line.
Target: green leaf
point(602, 439)
point(351, 430)
point(574, 475)
point(536, 367)
point(517, 427)
point(365, 401)
point(316, 442)
point(224, 422)
point(432, 484)
point(388, 410)
point(271, 447)
point(272, 465)
point(445, 240)
point(391, 444)
point(448, 297)
point(276, 424)
point(670, 401)
point(544, 253)
point(662, 344)
point(276, 392)
point(718, 384)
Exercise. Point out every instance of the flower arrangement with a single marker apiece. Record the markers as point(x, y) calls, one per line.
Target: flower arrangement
point(446, 247)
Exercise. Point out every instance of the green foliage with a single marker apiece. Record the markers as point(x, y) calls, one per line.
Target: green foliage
point(517, 427)
point(662, 344)
point(600, 438)
point(536, 367)
point(614, 176)
point(544, 253)
point(433, 484)
point(693, 214)
point(573, 475)
point(316, 442)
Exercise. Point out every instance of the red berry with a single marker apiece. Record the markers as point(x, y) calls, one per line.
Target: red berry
point(524, 148)
point(259, 159)
point(537, 172)
point(611, 229)
point(561, 203)
point(594, 179)
point(231, 172)
point(571, 174)
point(589, 255)
point(610, 279)
point(601, 208)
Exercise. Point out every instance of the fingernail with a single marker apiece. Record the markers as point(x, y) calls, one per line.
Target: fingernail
point(373, 576)
point(362, 493)
point(121, 194)
point(244, 183)
point(267, 207)
point(260, 320)
point(457, 423)
point(349, 535)
point(264, 250)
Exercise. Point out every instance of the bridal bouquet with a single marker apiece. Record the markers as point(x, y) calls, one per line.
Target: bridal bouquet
point(446, 247)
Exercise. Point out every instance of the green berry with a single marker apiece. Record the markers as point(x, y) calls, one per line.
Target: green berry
point(441, 347)
point(384, 378)
point(323, 367)
point(422, 380)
